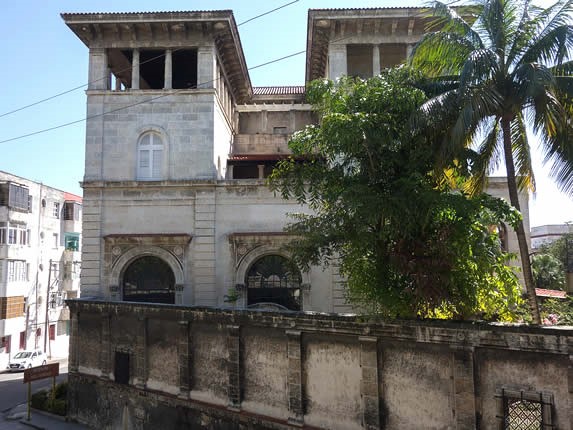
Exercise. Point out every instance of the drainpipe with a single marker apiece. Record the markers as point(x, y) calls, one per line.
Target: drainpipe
point(47, 304)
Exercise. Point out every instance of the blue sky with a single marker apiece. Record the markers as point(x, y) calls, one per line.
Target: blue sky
point(42, 57)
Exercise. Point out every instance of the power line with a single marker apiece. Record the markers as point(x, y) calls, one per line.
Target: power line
point(276, 60)
point(67, 124)
point(130, 67)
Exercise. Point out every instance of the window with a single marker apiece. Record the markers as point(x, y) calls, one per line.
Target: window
point(12, 235)
point(525, 409)
point(30, 203)
point(17, 271)
point(121, 368)
point(72, 241)
point(274, 279)
point(52, 332)
point(14, 196)
point(22, 340)
point(72, 211)
point(56, 212)
point(6, 343)
point(150, 157)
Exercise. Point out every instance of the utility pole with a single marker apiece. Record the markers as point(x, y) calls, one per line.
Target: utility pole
point(47, 307)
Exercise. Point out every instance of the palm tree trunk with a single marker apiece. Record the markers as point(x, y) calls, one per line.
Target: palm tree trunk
point(520, 231)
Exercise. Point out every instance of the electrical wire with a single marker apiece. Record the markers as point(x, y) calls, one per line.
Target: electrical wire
point(130, 67)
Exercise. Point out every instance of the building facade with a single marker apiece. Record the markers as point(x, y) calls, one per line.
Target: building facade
point(40, 235)
point(178, 145)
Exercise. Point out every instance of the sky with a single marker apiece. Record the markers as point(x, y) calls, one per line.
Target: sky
point(42, 58)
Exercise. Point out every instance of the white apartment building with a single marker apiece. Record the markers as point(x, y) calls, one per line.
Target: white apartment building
point(40, 235)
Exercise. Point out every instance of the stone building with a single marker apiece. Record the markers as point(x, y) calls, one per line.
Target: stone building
point(178, 144)
point(40, 235)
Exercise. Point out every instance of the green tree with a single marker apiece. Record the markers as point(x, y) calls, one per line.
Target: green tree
point(503, 68)
point(407, 244)
point(548, 272)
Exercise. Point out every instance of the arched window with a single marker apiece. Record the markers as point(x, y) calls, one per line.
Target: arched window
point(274, 279)
point(149, 279)
point(150, 157)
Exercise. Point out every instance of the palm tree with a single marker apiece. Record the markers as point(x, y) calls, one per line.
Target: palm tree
point(503, 67)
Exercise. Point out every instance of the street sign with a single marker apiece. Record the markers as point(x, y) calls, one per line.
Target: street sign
point(41, 372)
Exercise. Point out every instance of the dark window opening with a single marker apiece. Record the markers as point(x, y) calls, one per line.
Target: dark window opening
point(71, 211)
point(274, 279)
point(121, 368)
point(151, 70)
point(184, 69)
point(359, 60)
point(149, 279)
point(52, 332)
point(22, 344)
point(246, 171)
point(392, 54)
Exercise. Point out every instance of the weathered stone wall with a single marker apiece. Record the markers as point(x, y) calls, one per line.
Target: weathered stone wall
point(193, 367)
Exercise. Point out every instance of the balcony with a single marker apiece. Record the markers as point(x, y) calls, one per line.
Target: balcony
point(261, 144)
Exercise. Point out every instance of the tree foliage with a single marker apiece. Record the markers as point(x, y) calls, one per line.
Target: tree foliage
point(498, 67)
point(407, 243)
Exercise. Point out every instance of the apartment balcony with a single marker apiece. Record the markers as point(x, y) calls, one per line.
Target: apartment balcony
point(261, 144)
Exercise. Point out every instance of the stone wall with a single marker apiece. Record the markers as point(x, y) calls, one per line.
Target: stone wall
point(191, 367)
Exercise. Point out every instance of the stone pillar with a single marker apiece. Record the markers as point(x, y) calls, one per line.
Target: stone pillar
point(464, 390)
point(375, 60)
point(337, 63)
point(105, 351)
point(294, 378)
point(168, 70)
point(409, 49)
point(206, 67)
point(140, 356)
point(369, 382)
point(234, 366)
point(74, 349)
point(185, 357)
point(261, 171)
point(229, 173)
point(98, 70)
point(135, 70)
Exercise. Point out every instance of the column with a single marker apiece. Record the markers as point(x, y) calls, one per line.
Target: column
point(105, 351)
point(409, 49)
point(375, 60)
point(294, 378)
point(140, 356)
point(229, 173)
point(464, 390)
point(369, 382)
point(99, 75)
point(206, 67)
point(261, 168)
point(135, 70)
point(337, 63)
point(234, 366)
point(74, 353)
point(168, 69)
point(184, 359)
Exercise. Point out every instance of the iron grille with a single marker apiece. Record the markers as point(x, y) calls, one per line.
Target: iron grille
point(523, 415)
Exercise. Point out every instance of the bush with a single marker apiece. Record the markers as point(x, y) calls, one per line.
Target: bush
point(39, 400)
point(56, 404)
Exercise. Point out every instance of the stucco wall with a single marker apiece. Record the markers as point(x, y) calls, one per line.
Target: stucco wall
point(223, 369)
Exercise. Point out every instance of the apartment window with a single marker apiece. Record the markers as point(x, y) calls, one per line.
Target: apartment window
point(22, 340)
point(52, 332)
point(3, 233)
point(149, 157)
point(71, 211)
point(56, 210)
point(24, 236)
point(12, 235)
point(5, 342)
point(17, 270)
point(14, 196)
point(72, 241)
